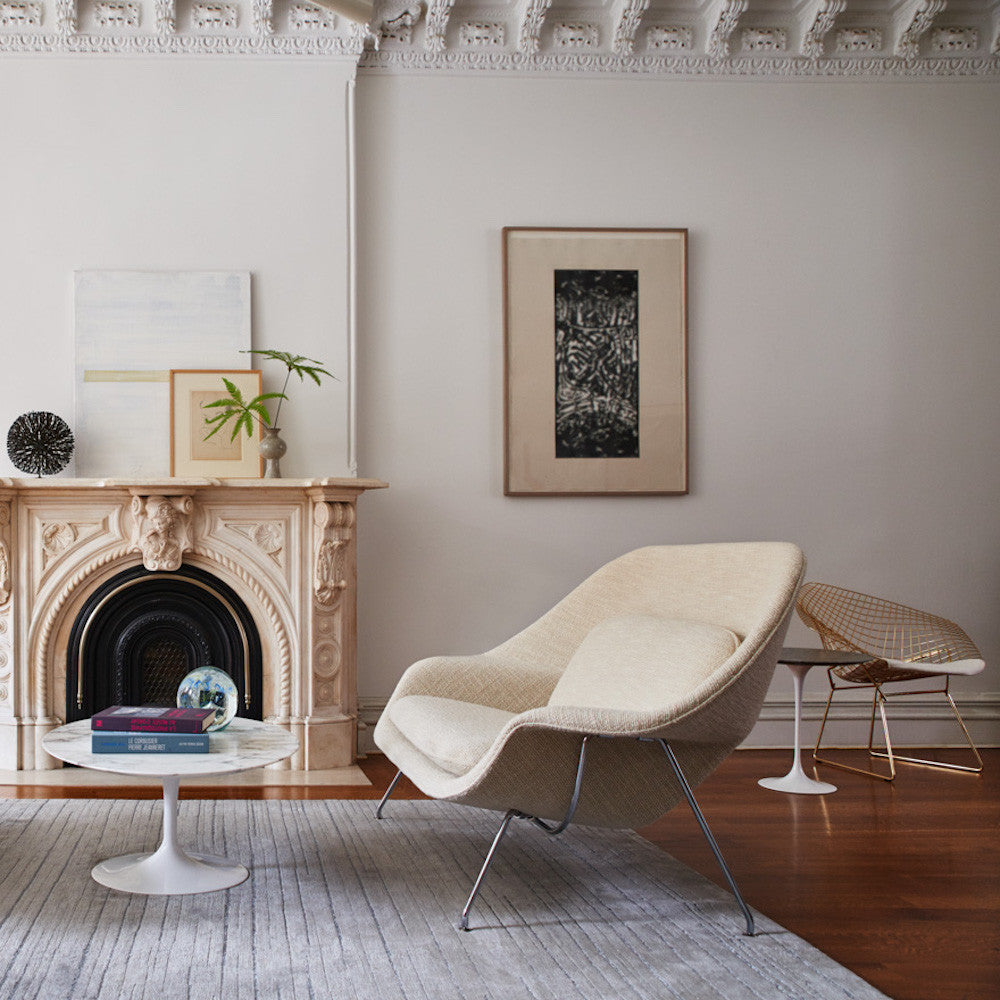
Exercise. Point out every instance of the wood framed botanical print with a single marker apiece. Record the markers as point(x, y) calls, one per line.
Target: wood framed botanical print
point(595, 361)
point(220, 455)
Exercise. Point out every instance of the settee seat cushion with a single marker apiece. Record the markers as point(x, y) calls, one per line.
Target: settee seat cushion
point(453, 734)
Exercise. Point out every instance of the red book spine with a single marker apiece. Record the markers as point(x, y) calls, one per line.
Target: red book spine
point(137, 724)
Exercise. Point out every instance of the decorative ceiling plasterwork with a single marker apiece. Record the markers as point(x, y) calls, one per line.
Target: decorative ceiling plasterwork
point(717, 38)
point(182, 27)
point(721, 38)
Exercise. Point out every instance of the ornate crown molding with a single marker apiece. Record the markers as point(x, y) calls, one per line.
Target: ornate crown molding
point(724, 17)
point(820, 23)
point(203, 27)
point(626, 17)
point(659, 38)
point(718, 38)
point(18, 15)
point(914, 21)
point(736, 67)
point(438, 15)
point(531, 17)
point(167, 44)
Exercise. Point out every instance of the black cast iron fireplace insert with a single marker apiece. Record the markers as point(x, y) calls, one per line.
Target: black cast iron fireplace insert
point(141, 632)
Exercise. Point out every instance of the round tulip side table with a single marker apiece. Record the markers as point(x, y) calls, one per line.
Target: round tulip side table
point(799, 661)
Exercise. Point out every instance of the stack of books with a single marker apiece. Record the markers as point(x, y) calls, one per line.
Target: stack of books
point(129, 729)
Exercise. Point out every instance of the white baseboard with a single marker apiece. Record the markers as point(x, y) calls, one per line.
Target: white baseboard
point(914, 721)
point(369, 711)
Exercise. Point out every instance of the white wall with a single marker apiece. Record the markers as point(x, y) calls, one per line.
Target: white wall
point(844, 295)
point(176, 164)
point(844, 243)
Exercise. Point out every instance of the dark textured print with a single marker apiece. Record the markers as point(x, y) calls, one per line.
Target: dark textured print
point(597, 364)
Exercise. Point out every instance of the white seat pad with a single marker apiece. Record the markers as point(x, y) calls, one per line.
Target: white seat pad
point(454, 734)
point(965, 668)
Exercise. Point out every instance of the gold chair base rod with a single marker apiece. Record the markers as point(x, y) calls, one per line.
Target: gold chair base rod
point(932, 763)
point(856, 770)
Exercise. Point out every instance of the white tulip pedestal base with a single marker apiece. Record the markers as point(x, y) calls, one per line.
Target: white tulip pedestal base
point(799, 662)
point(169, 870)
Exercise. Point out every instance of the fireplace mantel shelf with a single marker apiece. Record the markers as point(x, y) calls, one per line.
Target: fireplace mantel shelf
point(285, 547)
point(170, 485)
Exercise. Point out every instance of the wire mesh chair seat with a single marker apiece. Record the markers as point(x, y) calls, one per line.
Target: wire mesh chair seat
point(906, 645)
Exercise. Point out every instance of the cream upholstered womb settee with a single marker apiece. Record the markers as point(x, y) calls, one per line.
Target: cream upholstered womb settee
point(668, 648)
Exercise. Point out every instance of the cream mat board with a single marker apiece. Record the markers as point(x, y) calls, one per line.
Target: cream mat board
point(341, 905)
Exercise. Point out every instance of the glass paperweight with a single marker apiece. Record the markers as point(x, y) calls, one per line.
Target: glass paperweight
point(209, 687)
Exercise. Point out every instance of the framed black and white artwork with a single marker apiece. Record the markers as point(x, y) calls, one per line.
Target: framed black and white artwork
point(595, 397)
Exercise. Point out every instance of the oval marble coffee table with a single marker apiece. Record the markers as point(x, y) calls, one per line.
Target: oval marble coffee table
point(169, 871)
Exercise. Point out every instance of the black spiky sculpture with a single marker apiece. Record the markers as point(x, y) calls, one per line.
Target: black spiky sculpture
point(40, 443)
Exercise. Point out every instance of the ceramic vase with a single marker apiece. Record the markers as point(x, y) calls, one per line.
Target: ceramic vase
point(272, 447)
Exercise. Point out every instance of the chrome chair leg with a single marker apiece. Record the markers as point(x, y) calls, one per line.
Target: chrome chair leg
point(463, 921)
point(702, 822)
point(388, 792)
point(552, 831)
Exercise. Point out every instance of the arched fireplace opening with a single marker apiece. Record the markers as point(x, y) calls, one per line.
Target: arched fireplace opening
point(141, 632)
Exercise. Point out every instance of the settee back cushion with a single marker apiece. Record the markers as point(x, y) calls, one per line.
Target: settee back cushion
point(638, 663)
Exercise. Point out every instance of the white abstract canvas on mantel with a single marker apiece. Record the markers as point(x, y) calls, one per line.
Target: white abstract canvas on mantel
point(131, 329)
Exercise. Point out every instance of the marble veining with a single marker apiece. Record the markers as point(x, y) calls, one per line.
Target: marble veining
point(242, 746)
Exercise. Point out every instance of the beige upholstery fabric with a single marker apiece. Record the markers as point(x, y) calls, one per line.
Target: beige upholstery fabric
point(454, 734)
point(632, 661)
point(748, 588)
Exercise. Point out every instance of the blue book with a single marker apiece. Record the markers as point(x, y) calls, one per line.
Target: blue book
point(119, 742)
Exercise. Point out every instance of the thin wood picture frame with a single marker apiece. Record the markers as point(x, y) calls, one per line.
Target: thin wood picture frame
point(595, 361)
point(221, 455)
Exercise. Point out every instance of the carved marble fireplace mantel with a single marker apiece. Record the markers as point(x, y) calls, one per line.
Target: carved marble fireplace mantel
point(285, 546)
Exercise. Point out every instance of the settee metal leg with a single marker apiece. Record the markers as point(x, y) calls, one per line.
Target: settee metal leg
point(463, 921)
point(388, 792)
point(552, 831)
point(689, 795)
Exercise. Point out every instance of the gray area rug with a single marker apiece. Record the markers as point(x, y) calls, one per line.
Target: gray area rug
point(341, 905)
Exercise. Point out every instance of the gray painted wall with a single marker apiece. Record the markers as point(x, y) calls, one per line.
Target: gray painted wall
point(844, 295)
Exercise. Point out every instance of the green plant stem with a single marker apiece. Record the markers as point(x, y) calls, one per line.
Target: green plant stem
point(277, 412)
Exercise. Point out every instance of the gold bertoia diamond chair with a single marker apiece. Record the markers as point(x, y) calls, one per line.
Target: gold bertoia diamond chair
point(906, 645)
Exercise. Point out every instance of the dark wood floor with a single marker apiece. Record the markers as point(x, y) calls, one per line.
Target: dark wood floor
point(900, 882)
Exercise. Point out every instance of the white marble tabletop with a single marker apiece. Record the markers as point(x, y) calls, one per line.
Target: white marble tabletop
point(243, 745)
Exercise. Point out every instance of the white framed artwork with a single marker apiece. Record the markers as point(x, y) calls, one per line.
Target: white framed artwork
point(131, 328)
